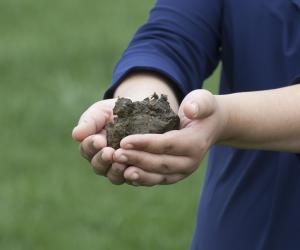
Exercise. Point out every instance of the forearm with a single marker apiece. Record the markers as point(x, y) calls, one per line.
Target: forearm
point(267, 120)
point(141, 85)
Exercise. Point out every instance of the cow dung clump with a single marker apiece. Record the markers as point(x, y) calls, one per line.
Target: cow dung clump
point(151, 116)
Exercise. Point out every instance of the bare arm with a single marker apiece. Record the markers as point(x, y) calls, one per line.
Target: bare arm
point(268, 120)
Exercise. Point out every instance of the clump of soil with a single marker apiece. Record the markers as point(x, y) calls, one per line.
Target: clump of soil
point(150, 116)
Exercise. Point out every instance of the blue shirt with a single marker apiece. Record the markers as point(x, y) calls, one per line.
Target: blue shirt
point(250, 199)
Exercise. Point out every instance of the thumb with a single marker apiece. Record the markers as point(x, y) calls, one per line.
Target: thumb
point(93, 120)
point(199, 104)
point(88, 126)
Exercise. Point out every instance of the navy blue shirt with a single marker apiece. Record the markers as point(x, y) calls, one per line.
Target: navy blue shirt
point(250, 199)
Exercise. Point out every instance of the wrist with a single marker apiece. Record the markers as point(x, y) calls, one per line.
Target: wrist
point(141, 85)
point(226, 112)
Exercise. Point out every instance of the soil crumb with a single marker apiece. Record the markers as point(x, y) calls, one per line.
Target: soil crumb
point(151, 116)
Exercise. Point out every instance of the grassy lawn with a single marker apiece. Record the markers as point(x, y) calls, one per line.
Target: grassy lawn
point(56, 58)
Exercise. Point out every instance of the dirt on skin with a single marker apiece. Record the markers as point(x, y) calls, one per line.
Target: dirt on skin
point(151, 116)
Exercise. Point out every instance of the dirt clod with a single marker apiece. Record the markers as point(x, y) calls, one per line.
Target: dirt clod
point(151, 116)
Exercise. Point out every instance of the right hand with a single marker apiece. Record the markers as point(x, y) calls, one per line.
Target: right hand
point(91, 134)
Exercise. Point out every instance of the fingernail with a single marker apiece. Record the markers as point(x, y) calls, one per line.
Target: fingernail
point(195, 108)
point(101, 155)
point(97, 145)
point(134, 176)
point(117, 171)
point(78, 126)
point(122, 158)
point(74, 129)
point(128, 146)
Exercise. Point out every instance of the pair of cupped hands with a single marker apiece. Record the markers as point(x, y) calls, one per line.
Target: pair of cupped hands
point(152, 159)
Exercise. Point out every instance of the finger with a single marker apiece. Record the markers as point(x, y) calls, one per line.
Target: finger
point(102, 161)
point(116, 173)
point(91, 145)
point(161, 164)
point(94, 119)
point(166, 143)
point(139, 177)
point(198, 104)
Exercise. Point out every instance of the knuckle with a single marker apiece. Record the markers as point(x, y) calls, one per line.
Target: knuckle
point(95, 161)
point(168, 147)
point(90, 144)
point(146, 180)
point(136, 158)
point(116, 170)
point(164, 167)
point(83, 152)
point(168, 144)
point(98, 165)
point(101, 170)
point(187, 166)
point(165, 180)
point(86, 146)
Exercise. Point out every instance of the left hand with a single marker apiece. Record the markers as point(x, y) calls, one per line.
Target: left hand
point(91, 134)
point(170, 157)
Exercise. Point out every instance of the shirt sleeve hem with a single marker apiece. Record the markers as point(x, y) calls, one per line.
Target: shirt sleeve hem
point(296, 80)
point(152, 63)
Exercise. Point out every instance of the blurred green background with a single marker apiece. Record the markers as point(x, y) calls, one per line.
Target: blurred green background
point(56, 59)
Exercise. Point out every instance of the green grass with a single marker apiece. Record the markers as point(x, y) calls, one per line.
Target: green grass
point(56, 58)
